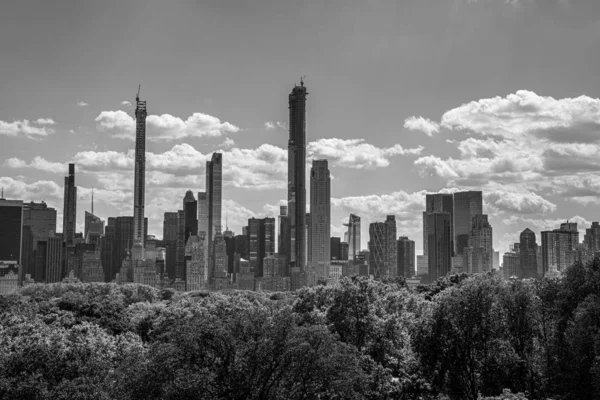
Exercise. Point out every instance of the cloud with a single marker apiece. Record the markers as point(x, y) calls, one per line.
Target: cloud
point(82, 104)
point(425, 125)
point(38, 163)
point(126, 103)
point(518, 202)
point(163, 127)
point(45, 121)
point(118, 123)
point(521, 113)
point(25, 129)
point(277, 124)
point(36, 191)
point(356, 153)
point(228, 142)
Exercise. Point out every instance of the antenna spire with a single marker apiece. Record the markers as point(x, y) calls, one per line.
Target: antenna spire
point(137, 97)
point(92, 200)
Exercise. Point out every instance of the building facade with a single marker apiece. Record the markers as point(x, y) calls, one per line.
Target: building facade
point(439, 230)
point(466, 206)
point(320, 227)
point(139, 190)
point(406, 257)
point(297, 184)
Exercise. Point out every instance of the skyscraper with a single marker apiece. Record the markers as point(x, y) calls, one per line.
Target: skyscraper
point(283, 239)
point(11, 215)
point(478, 255)
point(437, 203)
point(439, 240)
point(39, 222)
point(202, 213)
point(297, 184)
point(528, 254)
point(406, 257)
point(70, 206)
point(261, 241)
point(54, 259)
point(190, 211)
point(335, 244)
point(383, 248)
point(466, 206)
point(320, 218)
point(352, 237)
point(559, 247)
point(592, 238)
point(214, 188)
point(139, 189)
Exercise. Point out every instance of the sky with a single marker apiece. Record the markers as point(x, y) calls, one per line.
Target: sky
point(405, 98)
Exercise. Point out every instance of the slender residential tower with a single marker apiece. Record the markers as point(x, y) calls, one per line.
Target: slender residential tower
point(70, 206)
point(297, 184)
point(140, 171)
point(214, 193)
point(320, 222)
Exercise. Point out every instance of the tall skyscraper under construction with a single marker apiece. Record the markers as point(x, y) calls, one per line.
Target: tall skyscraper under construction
point(139, 189)
point(70, 206)
point(297, 184)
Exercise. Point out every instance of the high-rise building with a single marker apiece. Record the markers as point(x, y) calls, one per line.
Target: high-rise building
point(124, 227)
point(466, 206)
point(70, 206)
point(39, 221)
point(334, 244)
point(438, 203)
point(528, 254)
point(283, 239)
point(592, 238)
point(170, 227)
point(93, 228)
point(261, 241)
point(220, 256)
point(180, 251)
point(11, 228)
point(139, 189)
point(559, 248)
point(297, 184)
point(54, 259)
point(344, 251)
point(214, 191)
point(478, 255)
point(190, 215)
point(320, 219)
point(202, 212)
point(352, 236)
point(383, 248)
point(511, 263)
point(406, 257)
point(439, 240)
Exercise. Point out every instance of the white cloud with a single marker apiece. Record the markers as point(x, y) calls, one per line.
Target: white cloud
point(518, 202)
point(38, 163)
point(425, 125)
point(82, 104)
point(163, 127)
point(276, 124)
point(355, 153)
point(25, 129)
point(126, 103)
point(228, 142)
point(45, 121)
point(521, 113)
point(118, 123)
point(36, 191)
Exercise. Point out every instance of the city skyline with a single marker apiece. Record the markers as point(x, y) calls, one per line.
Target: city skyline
point(388, 173)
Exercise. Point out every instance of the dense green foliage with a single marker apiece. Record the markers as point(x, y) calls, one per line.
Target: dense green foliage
point(464, 337)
